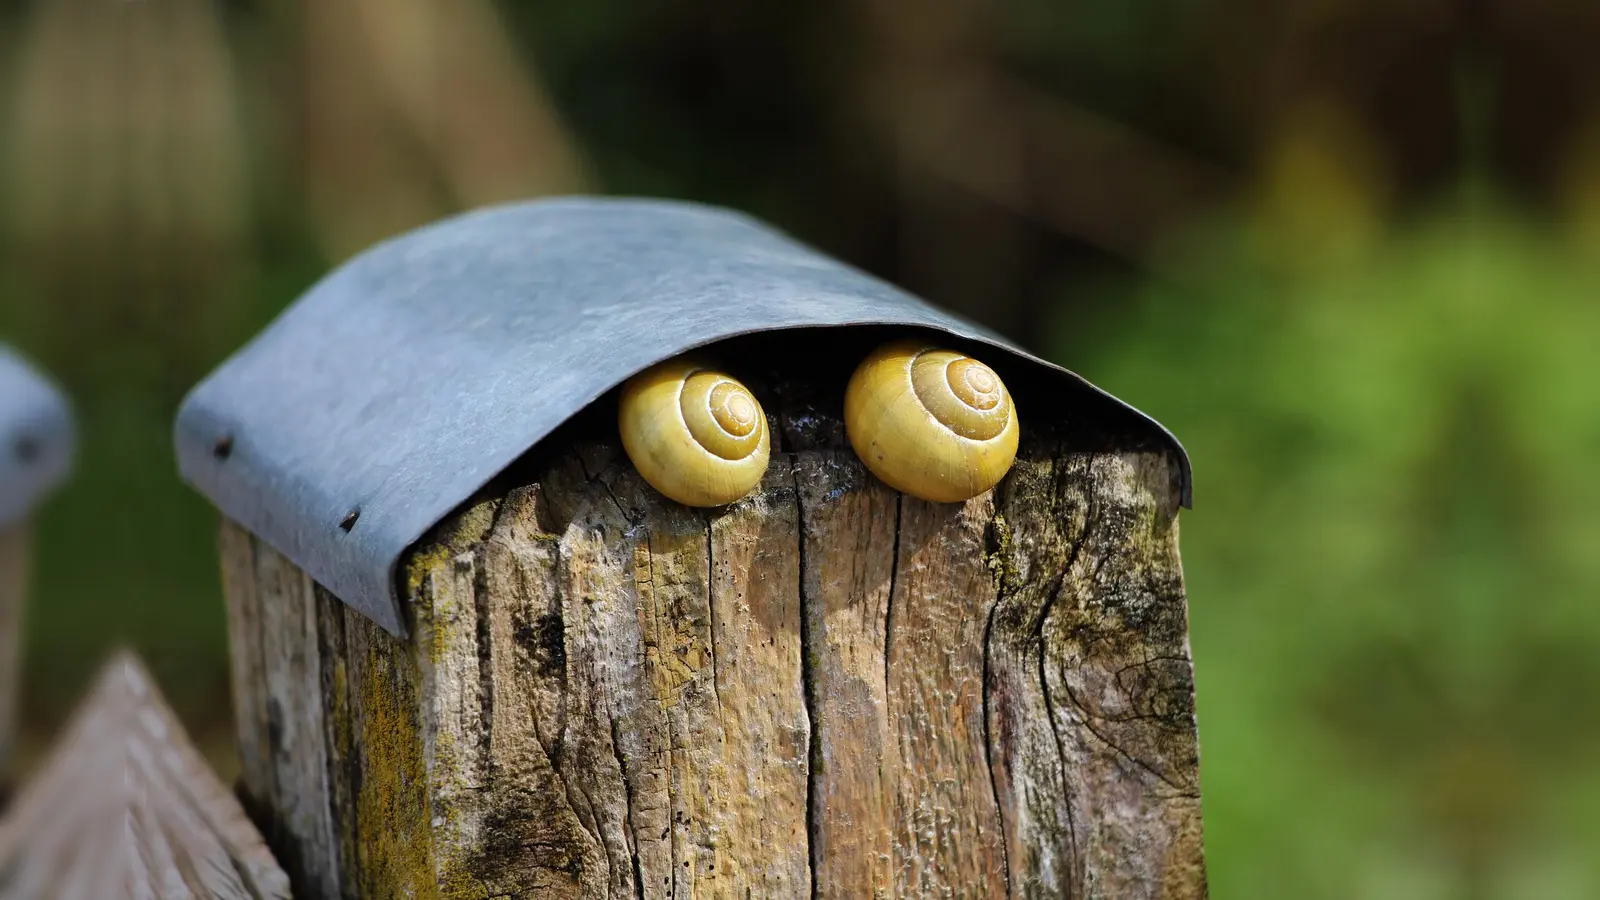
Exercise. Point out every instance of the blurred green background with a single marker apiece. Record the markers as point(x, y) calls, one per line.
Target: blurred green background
point(1348, 250)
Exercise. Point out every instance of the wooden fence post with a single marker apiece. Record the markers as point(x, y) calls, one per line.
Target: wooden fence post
point(16, 557)
point(825, 689)
point(36, 439)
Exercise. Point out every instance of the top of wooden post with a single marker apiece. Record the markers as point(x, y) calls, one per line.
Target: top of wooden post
point(36, 437)
point(409, 377)
point(125, 806)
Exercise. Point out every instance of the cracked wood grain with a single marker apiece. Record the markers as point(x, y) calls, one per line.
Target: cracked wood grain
point(1091, 699)
point(824, 690)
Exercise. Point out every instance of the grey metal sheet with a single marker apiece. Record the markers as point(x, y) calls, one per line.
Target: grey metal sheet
point(36, 437)
point(416, 372)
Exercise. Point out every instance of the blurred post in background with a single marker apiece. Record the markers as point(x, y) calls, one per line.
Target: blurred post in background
point(1346, 249)
point(36, 442)
point(174, 172)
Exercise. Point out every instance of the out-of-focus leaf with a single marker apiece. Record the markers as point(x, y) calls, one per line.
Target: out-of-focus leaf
point(1391, 561)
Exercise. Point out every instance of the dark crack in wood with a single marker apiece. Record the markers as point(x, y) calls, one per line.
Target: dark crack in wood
point(824, 690)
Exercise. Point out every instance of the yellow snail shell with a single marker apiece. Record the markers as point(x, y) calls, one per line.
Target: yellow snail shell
point(932, 423)
point(695, 434)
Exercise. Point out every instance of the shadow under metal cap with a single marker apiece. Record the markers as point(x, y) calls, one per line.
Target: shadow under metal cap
point(413, 374)
point(36, 437)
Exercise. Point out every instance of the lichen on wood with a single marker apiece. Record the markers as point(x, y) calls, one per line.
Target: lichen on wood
point(824, 690)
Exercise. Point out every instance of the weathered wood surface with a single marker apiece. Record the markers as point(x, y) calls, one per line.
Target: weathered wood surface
point(126, 808)
point(15, 566)
point(824, 690)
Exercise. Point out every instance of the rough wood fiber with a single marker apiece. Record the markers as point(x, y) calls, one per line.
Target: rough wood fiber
point(126, 807)
point(15, 559)
point(824, 690)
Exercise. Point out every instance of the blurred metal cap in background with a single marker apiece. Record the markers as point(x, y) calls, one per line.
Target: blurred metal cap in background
point(412, 375)
point(36, 437)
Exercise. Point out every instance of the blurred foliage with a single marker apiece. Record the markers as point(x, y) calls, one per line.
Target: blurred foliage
point(1391, 561)
point(1345, 249)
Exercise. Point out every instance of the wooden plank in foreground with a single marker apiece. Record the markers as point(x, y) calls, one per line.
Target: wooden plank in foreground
point(126, 807)
point(826, 690)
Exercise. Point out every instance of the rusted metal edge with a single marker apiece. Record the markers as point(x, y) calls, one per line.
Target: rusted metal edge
point(413, 374)
point(37, 437)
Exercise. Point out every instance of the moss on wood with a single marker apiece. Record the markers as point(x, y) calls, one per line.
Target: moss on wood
point(825, 690)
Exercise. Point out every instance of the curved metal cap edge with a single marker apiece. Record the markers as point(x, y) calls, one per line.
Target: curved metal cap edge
point(37, 437)
point(411, 375)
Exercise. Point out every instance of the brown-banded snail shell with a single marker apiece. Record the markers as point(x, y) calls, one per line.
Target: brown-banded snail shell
point(695, 434)
point(932, 423)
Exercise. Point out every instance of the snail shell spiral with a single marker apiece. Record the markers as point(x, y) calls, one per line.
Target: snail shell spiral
point(695, 434)
point(932, 423)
